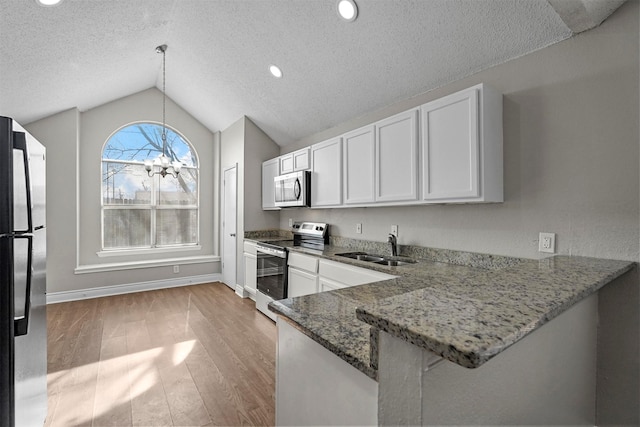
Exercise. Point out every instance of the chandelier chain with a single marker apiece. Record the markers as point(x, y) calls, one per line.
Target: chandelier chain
point(164, 100)
point(166, 166)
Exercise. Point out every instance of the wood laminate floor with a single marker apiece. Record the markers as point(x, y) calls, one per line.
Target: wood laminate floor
point(191, 356)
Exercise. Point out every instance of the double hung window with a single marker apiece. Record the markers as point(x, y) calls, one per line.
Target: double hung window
point(139, 211)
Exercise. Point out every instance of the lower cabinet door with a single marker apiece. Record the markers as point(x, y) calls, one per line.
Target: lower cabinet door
point(250, 270)
point(301, 283)
point(329, 285)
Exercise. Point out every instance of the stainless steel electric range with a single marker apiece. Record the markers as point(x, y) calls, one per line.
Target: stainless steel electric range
point(272, 274)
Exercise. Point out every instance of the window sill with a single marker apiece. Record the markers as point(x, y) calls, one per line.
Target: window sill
point(131, 265)
point(147, 251)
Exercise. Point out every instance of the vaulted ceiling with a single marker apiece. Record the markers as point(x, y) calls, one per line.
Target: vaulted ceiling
point(84, 53)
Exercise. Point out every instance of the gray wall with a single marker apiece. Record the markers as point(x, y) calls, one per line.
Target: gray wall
point(258, 148)
point(245, 144)
point(571, 166)
point(570, 156)
point(74, 142)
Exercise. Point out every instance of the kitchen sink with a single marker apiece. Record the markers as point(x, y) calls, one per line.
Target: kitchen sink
point(362, 256)
point(395, 262)
point(378, 259)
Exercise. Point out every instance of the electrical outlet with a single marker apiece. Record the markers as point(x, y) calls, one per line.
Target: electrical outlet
point(290, 222)
point(547, 243)
point(176, 269)
point(394, 230)
point(359, 228)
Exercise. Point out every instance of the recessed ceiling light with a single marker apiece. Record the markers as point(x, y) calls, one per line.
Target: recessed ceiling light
point(49, 2)
point(348, 10)
point(276, 71)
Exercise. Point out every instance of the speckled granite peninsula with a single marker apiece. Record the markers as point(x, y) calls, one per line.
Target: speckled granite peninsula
point(465, 314)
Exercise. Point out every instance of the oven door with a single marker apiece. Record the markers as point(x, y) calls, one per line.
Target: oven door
point(272, 271)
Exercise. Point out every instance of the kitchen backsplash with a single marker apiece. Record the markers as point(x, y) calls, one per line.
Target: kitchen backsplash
point(471, 259)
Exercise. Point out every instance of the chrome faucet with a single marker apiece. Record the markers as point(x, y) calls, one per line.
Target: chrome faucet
point(394, 244)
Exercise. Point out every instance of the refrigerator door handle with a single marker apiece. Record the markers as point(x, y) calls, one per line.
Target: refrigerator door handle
point(20, 143)
point(21, 324)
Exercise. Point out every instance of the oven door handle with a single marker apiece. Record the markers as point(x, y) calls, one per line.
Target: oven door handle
point(270, 251)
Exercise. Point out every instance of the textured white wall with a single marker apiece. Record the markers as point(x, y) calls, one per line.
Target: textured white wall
point(570, 156)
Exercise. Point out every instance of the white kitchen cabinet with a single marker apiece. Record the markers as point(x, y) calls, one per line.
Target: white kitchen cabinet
point(325, 284)
point(335, 275)
point(396, 158)
point(250, 267)
point(301, 159)
point(358, 155)
point(270, 169)
point(309, 274)
point(303, 275)
point(326, 169)
point(294, 162)
point(461, 146)
point(286, 163)
point(381, 161)
point(301, 283)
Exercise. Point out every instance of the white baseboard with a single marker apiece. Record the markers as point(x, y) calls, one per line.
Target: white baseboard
point(240, 291)
point(104, 291)
point(251, 293)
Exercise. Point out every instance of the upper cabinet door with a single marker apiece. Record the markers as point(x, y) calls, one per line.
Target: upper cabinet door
point(301, 160)
point(294, 162)
point(270, 169)
point(358, 151)
point(450, 147)
point(286, 163)
point(326, 173)
point(461, 145)
point(396, 153)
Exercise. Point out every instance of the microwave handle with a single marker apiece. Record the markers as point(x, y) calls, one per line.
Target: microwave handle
point(297, 189)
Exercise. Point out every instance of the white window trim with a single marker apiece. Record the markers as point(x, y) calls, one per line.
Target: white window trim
point(117, 266)
point(146, 251)
point(153, 206)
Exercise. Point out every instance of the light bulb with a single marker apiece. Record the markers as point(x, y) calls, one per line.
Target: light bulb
point(347, 10)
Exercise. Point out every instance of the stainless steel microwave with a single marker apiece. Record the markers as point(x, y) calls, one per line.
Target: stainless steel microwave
point(293, 189)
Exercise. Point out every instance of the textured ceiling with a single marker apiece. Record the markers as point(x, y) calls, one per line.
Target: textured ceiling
point(84, 53)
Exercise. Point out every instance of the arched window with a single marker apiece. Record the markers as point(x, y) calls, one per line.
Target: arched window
point(139, 211)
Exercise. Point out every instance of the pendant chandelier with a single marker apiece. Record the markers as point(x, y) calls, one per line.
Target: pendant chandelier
point(163, 161)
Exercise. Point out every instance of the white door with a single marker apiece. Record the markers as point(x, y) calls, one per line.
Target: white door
point(230, 202)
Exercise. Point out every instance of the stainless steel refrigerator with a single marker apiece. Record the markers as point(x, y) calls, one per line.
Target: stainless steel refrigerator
point(23, 329)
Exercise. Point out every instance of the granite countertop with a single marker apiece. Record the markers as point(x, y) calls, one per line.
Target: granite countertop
point(465, 314)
